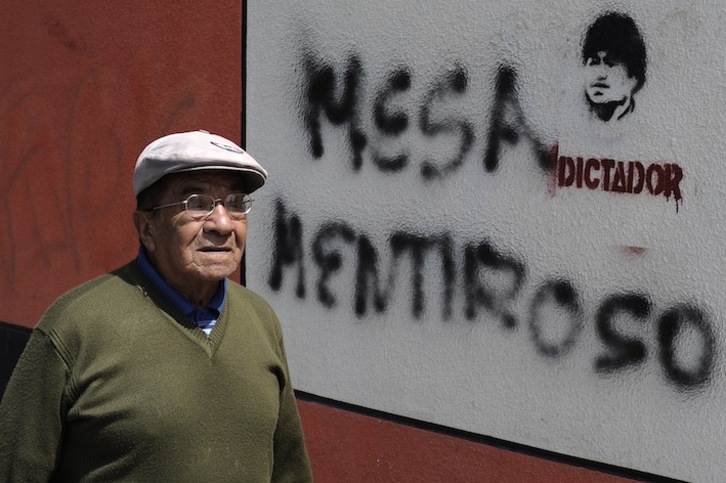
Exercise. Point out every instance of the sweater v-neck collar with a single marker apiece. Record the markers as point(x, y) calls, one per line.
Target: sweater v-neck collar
point(204, 317)
point(174, 314)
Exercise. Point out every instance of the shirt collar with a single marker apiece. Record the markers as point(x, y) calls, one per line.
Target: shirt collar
point(215, 305)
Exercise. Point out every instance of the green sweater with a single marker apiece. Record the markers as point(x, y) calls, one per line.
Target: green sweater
point(115, 385)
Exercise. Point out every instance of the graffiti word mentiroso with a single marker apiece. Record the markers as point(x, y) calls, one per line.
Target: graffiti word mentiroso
point(489, 282)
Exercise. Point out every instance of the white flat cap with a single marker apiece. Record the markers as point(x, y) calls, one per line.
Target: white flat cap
point(192, 151)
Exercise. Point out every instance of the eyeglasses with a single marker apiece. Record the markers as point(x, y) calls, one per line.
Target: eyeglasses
point(200, 207)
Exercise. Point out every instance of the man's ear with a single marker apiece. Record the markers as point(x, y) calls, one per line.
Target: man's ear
point(145, 230)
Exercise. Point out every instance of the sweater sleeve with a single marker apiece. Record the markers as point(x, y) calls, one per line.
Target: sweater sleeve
point(31, 421)
point(291, 462)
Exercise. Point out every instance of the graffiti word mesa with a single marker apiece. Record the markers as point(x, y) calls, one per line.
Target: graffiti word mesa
point(492, 282)
point(327, 96)
point(334, 95)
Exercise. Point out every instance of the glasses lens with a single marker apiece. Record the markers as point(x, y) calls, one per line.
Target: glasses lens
point(237, 204)
point(199, 206)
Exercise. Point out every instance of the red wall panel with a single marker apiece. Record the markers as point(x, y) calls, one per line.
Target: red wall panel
point(84, 86)
point(346, 446)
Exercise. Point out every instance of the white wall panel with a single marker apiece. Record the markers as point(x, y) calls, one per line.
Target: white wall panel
point(410, 144)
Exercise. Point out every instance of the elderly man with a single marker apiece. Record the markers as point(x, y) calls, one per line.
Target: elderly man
point(163, 370)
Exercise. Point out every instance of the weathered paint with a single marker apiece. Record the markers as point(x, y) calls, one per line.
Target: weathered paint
point(347, 446)
point(85, 86)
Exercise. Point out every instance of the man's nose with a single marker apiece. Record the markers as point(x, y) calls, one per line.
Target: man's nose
point(219, 220)
point(602, 71)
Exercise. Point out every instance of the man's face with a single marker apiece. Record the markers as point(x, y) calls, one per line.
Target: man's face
point(194, 255)
point(607, 80)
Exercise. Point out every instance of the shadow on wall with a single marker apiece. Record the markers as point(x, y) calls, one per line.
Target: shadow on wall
point(12, 342)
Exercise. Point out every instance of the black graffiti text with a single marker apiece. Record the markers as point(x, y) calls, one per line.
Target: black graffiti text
point(486, 281)
point(333, 93)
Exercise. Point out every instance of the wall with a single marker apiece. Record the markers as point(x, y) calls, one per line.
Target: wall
point(412, 143)
point(85, 86)
point(350, 444)
point(461, 230)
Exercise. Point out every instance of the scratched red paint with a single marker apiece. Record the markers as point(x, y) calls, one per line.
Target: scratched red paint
point(634, 250)
point(347, 447)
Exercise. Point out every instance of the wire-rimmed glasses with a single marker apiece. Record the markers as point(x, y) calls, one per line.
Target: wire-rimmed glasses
point(200, 206)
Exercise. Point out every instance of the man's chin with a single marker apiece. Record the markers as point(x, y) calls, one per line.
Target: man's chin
point(603, 99)
point(216, 272)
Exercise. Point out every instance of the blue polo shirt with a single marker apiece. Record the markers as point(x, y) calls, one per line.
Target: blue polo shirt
point(204, 317)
